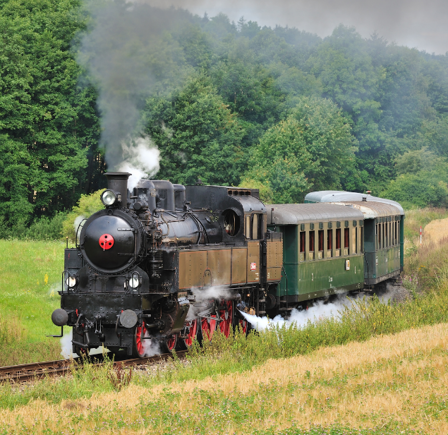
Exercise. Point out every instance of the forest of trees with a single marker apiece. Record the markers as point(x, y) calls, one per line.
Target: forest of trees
point(278, 109)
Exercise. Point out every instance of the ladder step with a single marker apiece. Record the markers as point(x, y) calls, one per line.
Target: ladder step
point(262, 301)
point(286, 309)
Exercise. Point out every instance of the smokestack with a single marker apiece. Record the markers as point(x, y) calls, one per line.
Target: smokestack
point(118, 182)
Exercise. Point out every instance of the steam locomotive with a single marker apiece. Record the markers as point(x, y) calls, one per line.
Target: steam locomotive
point(172, 263)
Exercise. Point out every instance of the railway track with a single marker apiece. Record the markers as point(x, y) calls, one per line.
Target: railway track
point(27, 372)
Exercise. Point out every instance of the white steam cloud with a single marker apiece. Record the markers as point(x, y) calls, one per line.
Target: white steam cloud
point(216, 293)
point(319, 311)
point(141, 160)
point(300, 319)
point(151, 346)
point(77, 222)
point(203, 300)
point(66, 347)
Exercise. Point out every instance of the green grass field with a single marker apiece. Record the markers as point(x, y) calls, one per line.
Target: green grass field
point(30, 279)
point(381, 369)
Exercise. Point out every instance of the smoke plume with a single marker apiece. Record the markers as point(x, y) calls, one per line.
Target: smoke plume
point(128, 56)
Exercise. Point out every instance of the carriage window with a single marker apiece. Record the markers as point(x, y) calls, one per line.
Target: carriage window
point(355, 243)
point(362, 239)
point(311, 247)
point(386, 234)
point(346, 237)
point(329, 239)
point(321, 240)
point(255, 227)
point(338, 238)
point(247, 227)
point(379, 236)
point(396, 232)
point(302, 241)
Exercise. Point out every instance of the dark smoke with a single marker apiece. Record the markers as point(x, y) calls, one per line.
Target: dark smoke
point(128, 56)
point(415, 23)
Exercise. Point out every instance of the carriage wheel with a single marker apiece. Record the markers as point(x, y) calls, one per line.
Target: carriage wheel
point(226, 316)
point(190, 332)
point(140, 332)
point(208, 326)
point(170, 342)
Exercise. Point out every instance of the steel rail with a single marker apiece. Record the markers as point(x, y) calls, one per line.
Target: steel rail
point(26, 372)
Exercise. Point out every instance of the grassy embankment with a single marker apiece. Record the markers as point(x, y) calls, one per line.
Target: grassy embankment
point(389, 383)
point(30, 277)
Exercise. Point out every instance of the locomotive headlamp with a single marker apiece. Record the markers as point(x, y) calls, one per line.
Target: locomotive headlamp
point(70, 281)
point(134, 280)
point(109, 197)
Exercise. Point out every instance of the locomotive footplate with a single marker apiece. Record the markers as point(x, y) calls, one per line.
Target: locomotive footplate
point(113, 339)
point(100, 306)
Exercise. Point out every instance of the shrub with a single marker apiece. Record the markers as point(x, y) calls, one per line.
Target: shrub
point(43, 228)
point(87, 205)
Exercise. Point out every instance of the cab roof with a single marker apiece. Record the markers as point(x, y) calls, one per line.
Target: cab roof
point(337, 196)
point(293, 214)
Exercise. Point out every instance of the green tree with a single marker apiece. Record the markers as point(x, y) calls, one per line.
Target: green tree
point(310, 150)
point(197, 134)
point(48, 124)
point(421, 181)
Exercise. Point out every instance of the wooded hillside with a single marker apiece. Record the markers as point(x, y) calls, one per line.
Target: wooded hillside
point(232, 103)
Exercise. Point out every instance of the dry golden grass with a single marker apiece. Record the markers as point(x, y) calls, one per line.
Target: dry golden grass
point(402, 377)
point(435, 231)
point(420, 218)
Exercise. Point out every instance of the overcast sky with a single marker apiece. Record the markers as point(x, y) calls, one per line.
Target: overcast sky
point(415, 23)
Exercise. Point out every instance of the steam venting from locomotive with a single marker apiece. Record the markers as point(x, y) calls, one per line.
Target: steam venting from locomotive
point(141, 159)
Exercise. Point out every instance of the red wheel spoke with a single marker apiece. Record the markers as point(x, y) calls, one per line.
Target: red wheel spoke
point(208, 327)
point(139, 334)
point(171, 342)
point(191, 329)
point(243, 325)
point(226, 316)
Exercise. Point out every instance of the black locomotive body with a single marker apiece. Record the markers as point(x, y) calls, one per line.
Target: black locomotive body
point(143, 263)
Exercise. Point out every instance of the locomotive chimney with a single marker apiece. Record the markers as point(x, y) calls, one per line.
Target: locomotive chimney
point(118, 182)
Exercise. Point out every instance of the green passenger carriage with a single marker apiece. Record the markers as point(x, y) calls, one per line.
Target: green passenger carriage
point(322, 253)
point(383, 235)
